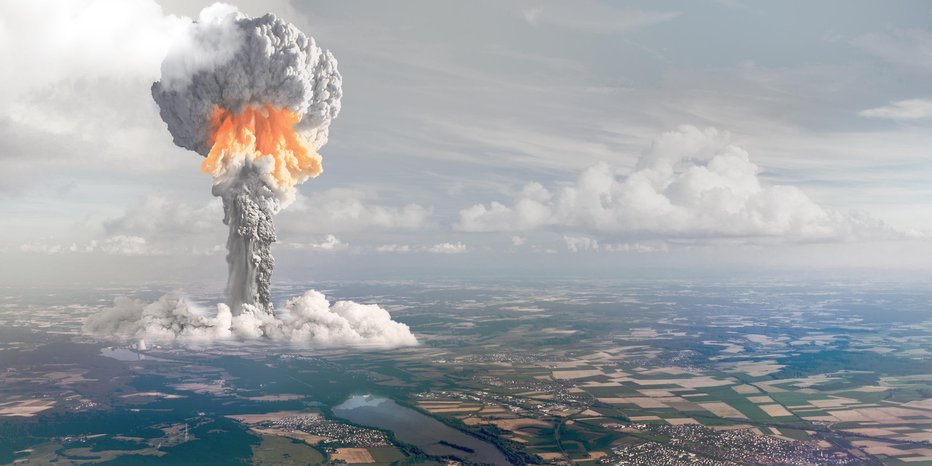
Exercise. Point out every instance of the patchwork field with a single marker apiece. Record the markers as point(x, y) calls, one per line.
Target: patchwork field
point(567, 373)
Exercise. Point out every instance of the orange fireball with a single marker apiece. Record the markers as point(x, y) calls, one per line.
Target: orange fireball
point(257, 132)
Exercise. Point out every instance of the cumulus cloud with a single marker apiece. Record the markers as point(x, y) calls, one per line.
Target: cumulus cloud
point(349, 210)
point(691, 183)
point(580, 243)
point(400, 248)
point(912, 109)
point(518, 240)
point(156, 216)
point(40, 247)
point(637, 246)
point(82, 39)
point(447, 248)
point(309, 319)
point(74, 95)
point(155, 225)
point(172, 225)
point(531, 208)
point(117, 245)
point(127, 245)
point(439, 248)
point(330, 243)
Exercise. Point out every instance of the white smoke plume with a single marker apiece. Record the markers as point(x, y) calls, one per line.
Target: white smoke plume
point(309, 320)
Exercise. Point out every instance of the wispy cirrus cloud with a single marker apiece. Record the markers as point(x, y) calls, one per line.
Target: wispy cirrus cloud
point(907, 47)
point(594, 17)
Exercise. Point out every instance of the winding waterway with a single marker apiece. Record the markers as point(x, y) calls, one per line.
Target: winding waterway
point(415, 428)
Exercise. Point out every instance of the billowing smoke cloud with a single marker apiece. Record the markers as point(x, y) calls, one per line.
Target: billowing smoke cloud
point(306, 320)
point(229, 61)
point(255, 97)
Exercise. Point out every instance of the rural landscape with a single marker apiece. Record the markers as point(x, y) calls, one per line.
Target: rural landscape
point(523, 373)
point(445, 233)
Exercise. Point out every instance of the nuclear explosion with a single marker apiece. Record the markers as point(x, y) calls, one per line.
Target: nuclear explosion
point(255, 97)
point(259, 118)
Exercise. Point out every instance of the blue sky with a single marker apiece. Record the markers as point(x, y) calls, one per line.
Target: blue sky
point(476, 135)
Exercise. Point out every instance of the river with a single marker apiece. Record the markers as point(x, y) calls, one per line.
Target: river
point(418, 429)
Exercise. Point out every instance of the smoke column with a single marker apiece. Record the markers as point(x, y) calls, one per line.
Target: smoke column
point(255, 97)
point(248, 210)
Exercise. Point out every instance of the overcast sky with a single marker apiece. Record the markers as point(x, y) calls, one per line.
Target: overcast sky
point(482, 135)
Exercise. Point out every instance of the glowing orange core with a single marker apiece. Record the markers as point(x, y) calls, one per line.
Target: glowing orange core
point(257, 132)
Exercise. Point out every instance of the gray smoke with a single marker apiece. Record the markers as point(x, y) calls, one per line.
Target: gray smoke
point(229, 61)
point(248, 206)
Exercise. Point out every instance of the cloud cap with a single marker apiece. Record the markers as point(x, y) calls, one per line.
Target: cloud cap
point(231, 61)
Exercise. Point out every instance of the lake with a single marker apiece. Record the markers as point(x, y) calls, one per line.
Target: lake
point(418, 429)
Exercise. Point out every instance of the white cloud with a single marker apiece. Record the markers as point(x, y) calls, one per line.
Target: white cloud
point(78, 75)
point(447, 248)
point(531, 208)
point(84, 39)
point(156, 216)
point(580, 243)
point(691, 183)
point(209, 250)
point(39, 247)
point(518, 240)
point(330, 243)
point(912, 109)
point(349, 210)
point(117, 245)
point(440, 248)
point(637, 246)
point(400, 248)
point(178, 227)
point(127, 245)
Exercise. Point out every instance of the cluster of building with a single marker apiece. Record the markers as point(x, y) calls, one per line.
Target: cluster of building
point(523, 385)
point(335, 433)
point(695, 444)
point(79, 403)
point(656, 454)
point(509, 357)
